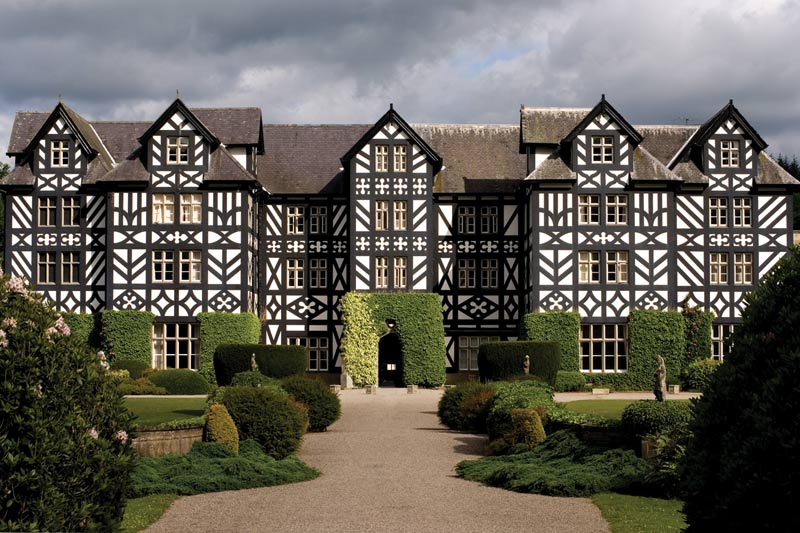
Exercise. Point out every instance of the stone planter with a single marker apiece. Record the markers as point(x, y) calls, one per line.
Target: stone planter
point(673, 389)
point(155, 441)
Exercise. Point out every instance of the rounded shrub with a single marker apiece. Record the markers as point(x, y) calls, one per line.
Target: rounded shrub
point(570, 381)
point(324, 407)
point(133, 387)
point(135, 368)
point(221, 428)
point(180, 381)
point(451, 405)
point(517, 395)
point(254, 378)
point(697, 374)
point(65, 436)
point(741, 464)
point(274, 420)
point(649, 417)
point(475, 409)
point(524, 433)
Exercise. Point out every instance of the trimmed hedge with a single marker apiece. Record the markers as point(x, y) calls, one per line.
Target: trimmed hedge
point(134, 368)
point(567, 381)
point(650, 334)
point(274, 420)
point(84, 326)
point(221, 428)
point(128, 335)
point(254, 378)
point(224, 328)
point(179, 381)
point(275, 361)
point(419, 327)
point(556, 326)
point(697, 327)
point(647, 417)
point(501, 360)
point(324, 407)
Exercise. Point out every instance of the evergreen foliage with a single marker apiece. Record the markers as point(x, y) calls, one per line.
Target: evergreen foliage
point(501, 360)
point(568, 381)
point(562, 327)
point(324, 407)
point(84, 327)
point(525, 434)
point(128, 335)
point(179, 381)
point(697, 327)
point(224, 328)
point(741, 465)
point(650, 417)
point(135, 368)
point(221, 428)
point(455, 402)
point(65, 436)
point(697, 375)
point(254, 378)
point(275, 361)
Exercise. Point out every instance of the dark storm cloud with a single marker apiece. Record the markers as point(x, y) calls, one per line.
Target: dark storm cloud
point(438, 61)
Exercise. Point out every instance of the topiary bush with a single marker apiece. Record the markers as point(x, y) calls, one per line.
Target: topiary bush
point(135, 368)
point(740, 469)
point(648, 417)
point(526, 433)
point(134, 387)
point(451, 408)
point(562, 327)
point(224, 328)
point(568, 381)
point(516, 395)
point(501, 360)
point(697, 374)
point(274, 420)
point(65, 435)
point(221, 428)
point(180, 381)
point(475, 409)
point(324, 406)
point(254, 378)
point(275, 361)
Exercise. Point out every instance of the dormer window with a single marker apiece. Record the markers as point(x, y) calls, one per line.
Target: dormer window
point(729, 153)
point(177, 150)
point(602, 149)
point(381, 158)
point(59, 153)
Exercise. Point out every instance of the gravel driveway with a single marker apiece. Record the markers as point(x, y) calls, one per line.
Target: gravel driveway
point(387, 465)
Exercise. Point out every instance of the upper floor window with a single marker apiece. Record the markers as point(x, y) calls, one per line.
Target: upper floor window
point(400, 272)
point(381, 215)
point(718, 212)
point(617, 267)
point(588, 209)
point(616, 209)
point(59, 153)
point(466, 273)
point(294, 273)
point(400, 158)
point(743, 268)
point(295, 220)
point(191, 208)
point(718, 268)
point(604, 348)
point(489, 219)
point(400, 215)
point(589, 267)
point(489, 273)
point(381, 158)
point(70, 264)
point(729, 153)
point(742, 212)
point(163, 266)
point(70, 211)
point(191, 261)
point(163, 209)
point(381, 272)
point(466, 219)
point(46, 268)
point(318, 220)
point(47, 211)
point(177, 150)
point(602, 149)
point(318, 273)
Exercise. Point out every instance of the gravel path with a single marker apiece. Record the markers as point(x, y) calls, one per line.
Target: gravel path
point(387, 465)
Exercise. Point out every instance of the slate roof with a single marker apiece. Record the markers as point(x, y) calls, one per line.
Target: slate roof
point(232, 126)
point(646, 167)
point(549, 125)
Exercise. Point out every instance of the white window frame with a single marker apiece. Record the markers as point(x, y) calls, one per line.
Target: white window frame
point(47, 211)
point(589, 209)
point(70, 268)
point(191, 208)
point(400, 272)
point(177, 150)
point(729, 153)
point(604, 348)
point(717, 212)
point(163, 208)
point(720, 344)
point(163, 266)
point(318, 351)
point(59, 153)
point(743, 268)
point(489, 273)
point(466, 219)
point(318, 273)
point(70, 212)
point(191, 266)
point(45, 268)
point(295, 220)
point(382, 272)
point(400, 215)
point(616, 209)
point(489, 219)
point(718, 268)
point(172, 337)
point(295, 276)
point(381, 157)
point(381, 215)
point(602, 149)
point(588, 266)
point(467, 273)
point(742, 212)
point(400, 153)
point(468, 347)
point(616, 266)
point(318, 220)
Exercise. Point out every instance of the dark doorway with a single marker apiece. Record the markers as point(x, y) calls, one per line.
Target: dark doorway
point(390, 361)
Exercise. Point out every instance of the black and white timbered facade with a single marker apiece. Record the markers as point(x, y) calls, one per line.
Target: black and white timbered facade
point(572, 209)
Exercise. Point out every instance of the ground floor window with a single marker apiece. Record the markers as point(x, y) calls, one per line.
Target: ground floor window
point(176, 346)
point(468, 351)
point(318, 351)
point(604, 348)
point(720, 340)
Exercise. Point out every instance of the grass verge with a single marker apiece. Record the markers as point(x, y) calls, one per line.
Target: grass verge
point(154, 411)
point(637, 514)
point(141, 512)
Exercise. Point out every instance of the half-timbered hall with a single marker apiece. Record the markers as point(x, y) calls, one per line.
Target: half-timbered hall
point(571, 209)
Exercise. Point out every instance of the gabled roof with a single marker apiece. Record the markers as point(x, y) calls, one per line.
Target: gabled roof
point(392, 116)
point(234, 126)
point(179, 107)
point(706, 130)
point(603, 107)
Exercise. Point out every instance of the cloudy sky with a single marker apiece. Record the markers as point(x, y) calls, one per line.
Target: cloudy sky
point(317, 61)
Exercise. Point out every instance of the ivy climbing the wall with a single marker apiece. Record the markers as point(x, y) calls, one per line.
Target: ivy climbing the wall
point(127, 334)
point(224, 328)
point(558, 326)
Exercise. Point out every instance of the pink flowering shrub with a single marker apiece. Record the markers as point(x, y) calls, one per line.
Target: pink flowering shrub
point(65, 436)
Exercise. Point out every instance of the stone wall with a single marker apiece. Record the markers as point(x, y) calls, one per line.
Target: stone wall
point(155, 442)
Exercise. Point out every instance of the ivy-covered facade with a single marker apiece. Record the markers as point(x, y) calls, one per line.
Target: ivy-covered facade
point(207, 213)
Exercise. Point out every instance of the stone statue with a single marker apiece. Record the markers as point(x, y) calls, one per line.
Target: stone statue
point(526, 366)
point(253, 364)
point(660, 386)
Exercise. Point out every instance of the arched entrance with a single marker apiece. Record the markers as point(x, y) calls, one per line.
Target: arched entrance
point(390, 361)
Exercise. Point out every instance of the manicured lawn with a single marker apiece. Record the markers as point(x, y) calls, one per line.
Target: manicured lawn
point(141, 512)
point(610, 409)
point(636, 514)
point(154, 411)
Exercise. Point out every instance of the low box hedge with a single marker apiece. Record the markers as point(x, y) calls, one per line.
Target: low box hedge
point(180, 381)
point(501, 360)
point(275, 361)
point(647, 417)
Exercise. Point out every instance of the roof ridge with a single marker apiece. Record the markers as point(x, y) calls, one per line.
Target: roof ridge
point(227, 108)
